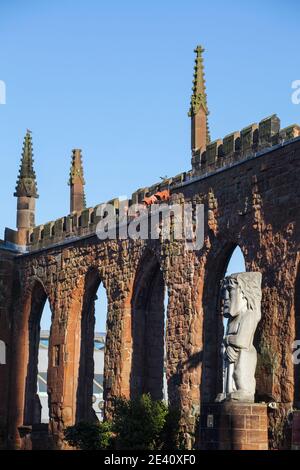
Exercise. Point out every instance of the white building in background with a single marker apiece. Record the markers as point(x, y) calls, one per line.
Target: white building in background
point(2, 352)
point(99, 343)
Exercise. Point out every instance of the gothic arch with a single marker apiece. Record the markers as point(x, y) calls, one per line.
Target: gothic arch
point(147, 309)
point(84, 395)
point(213, 330)
point(33, 313)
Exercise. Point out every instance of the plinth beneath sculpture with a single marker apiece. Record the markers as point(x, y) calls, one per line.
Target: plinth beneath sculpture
point(296, 431)
point(234, 425)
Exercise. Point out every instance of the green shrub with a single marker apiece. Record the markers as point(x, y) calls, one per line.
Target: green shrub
point(87, 436)
point(142, 423)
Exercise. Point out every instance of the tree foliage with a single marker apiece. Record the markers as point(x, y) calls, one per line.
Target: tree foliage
point(139, 423)
point(142, 423)
point(89, 436)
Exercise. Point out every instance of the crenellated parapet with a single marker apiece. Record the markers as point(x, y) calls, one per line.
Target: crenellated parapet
point(241, 145)
point(83, 223)
point(237, 147)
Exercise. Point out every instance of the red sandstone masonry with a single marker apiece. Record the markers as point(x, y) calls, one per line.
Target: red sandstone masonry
point(255, 205)
point(249, 185)
point(235, 427)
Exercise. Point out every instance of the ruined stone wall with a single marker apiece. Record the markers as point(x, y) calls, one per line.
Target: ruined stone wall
point(251, 203)
point(255, 206)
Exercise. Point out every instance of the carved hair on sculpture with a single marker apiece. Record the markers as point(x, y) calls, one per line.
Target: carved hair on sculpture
point(250, 285)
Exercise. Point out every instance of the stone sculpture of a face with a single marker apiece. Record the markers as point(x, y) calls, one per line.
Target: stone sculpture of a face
point(241, 295)
point(234, 301)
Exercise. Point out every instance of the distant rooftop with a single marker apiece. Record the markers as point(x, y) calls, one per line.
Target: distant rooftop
point(99, 337)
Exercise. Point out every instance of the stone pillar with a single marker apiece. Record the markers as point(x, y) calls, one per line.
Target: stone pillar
point(234, 426)
point(198, 110)
point(26, 192)
point(76, 182)
point(64, 357)
point(25, 213)
point(19, 361)
point(184, 340)
point(118, 348)
point(6, 288)
point(198, 130)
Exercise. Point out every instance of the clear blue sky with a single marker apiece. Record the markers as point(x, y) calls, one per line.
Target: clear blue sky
point(114, 78)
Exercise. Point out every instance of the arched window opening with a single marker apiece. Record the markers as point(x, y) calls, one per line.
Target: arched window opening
point(236, 264)
point(36, 394)
point(99, 349)
point(43, 362)
point(233, 263)
point(91, 364)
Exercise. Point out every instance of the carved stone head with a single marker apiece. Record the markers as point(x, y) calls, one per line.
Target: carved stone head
point(241, 292)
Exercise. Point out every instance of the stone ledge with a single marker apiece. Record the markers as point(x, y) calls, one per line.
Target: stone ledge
point(234, 425)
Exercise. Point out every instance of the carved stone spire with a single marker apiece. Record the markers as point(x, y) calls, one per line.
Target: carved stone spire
point(76, 182)
point(26, 183)
point(198, 109)
point(26, 192)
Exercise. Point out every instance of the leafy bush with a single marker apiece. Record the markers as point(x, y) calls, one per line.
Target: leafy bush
point(142, 423)
point(139, 423)
point(87, 436)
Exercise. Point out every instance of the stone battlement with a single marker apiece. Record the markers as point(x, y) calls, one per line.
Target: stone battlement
point(235, 147)
point(240, 145)
point(83, 223)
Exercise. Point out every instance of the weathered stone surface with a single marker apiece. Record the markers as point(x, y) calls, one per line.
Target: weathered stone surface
point(253, 205)
point(234, 426)
point(249, 186)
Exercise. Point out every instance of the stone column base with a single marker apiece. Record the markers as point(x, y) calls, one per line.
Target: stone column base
point(296, 431)
point(36, 437)
point(234, 426)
